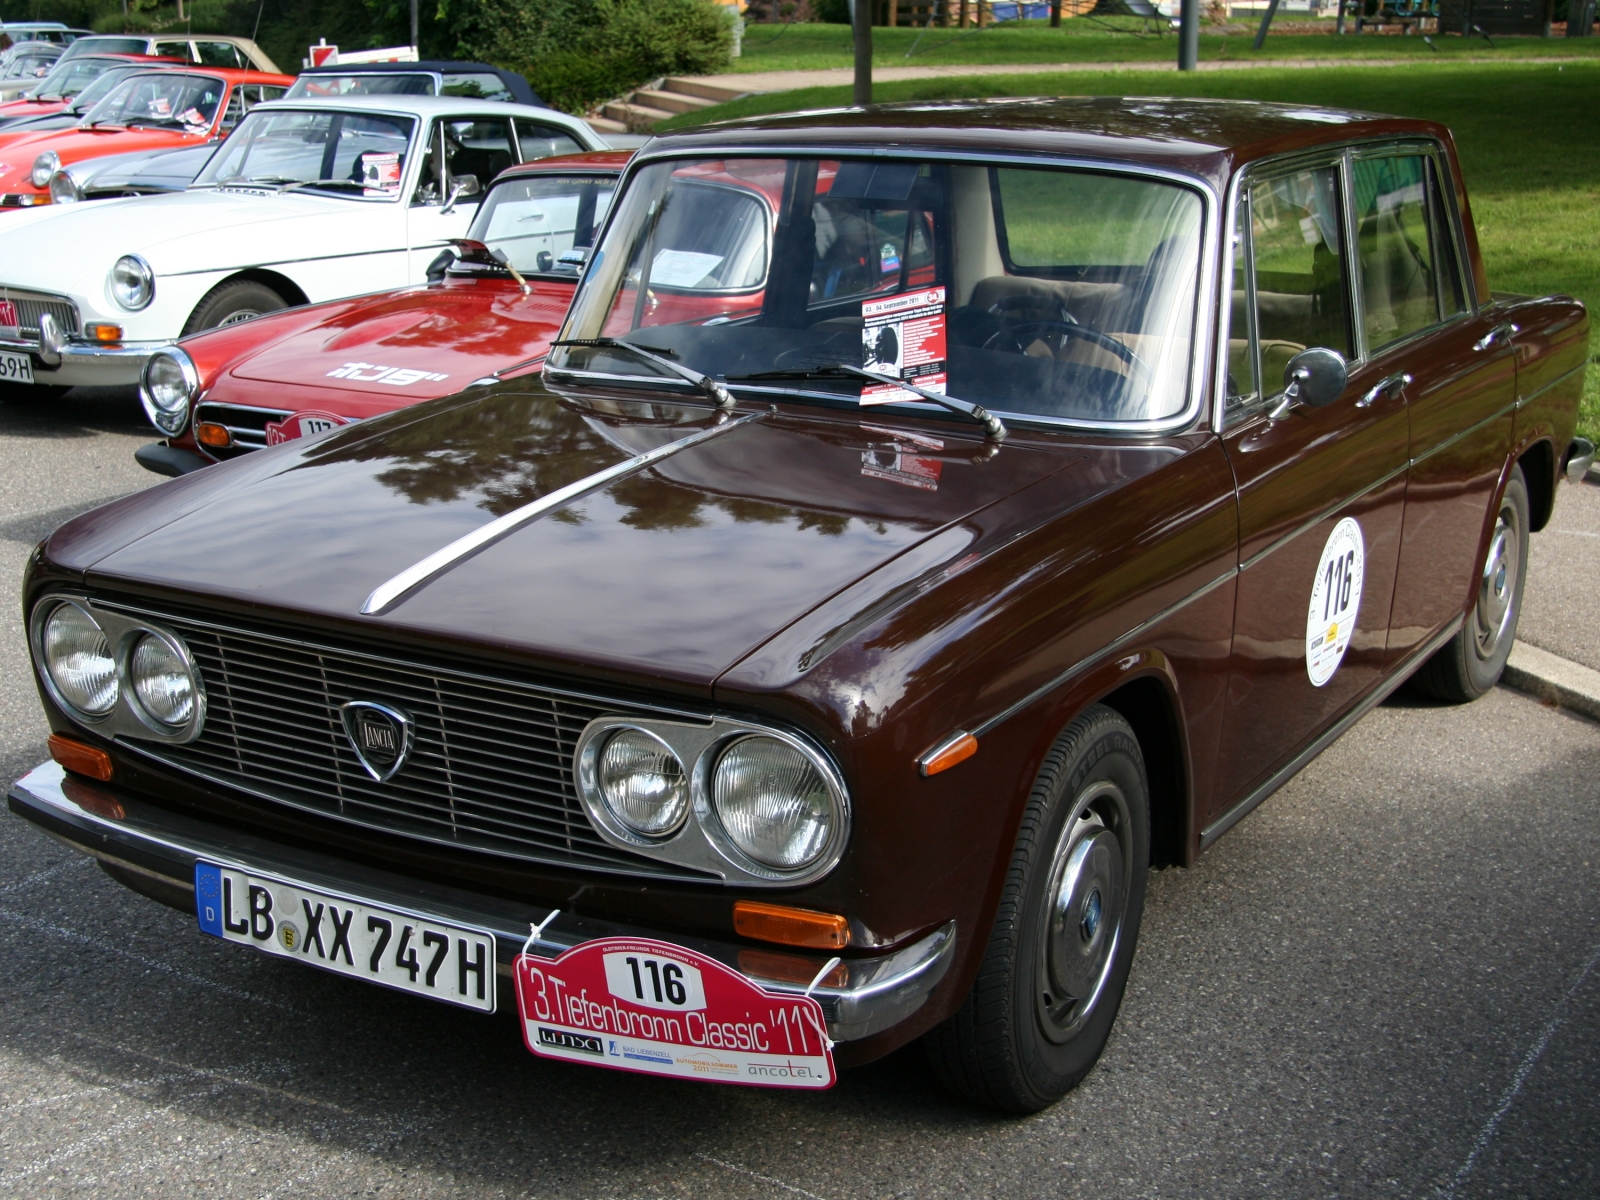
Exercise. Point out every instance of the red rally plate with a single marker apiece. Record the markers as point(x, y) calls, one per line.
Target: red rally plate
point(302, 424)
point(640, 1005)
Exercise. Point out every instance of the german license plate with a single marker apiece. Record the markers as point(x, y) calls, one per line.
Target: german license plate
point(642, 1005)
point(397, 949)
point(15, 368)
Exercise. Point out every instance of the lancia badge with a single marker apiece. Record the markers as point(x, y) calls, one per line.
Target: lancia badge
point(380, 736)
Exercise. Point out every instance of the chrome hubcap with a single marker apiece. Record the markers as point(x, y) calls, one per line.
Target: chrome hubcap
point(244, 314)
point(1497, 587)
point(1088, 897)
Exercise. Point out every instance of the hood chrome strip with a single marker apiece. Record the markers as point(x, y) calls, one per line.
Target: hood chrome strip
point(387, 595)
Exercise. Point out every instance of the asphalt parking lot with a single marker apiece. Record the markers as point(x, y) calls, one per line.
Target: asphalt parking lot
point(1386, 982)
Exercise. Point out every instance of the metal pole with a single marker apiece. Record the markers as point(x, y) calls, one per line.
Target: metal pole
point(1266, 20)
point(413, 24)
point(1189, 35)
point(1339, 28)
point(1055, 14)
point(861, 26)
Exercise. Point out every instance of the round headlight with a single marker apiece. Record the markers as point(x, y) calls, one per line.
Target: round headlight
point(133, 283)
point(168, 384)
point(643, 783)
point(78, 659)
point(773, 802)
point(43, 167)
point(63, 190)
point(162, 680)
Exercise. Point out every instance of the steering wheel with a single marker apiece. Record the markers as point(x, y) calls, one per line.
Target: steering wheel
point(1011, 338)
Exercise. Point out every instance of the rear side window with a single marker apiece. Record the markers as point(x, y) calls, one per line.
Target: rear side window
point(479, 85)
point(221, 54)
point(1409, 279)
point(539, 140)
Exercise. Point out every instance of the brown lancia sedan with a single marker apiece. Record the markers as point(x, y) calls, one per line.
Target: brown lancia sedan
point(935, 516)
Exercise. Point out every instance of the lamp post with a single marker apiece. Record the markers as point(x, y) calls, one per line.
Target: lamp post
point(413, 24)
point(1189, 35)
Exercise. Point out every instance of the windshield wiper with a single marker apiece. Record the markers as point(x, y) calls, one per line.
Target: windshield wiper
point(711, 388)
point(992, 425)
point(291, 185)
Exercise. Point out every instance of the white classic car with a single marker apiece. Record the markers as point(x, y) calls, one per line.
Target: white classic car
point(307, 200)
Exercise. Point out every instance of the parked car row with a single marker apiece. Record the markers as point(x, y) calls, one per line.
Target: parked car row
point(771, 599)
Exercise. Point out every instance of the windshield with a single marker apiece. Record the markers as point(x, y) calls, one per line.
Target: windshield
point(352, 154)
point(396, 83)
point(107, 45)
point(165, 99)
point(68, 79)
point(101, 87)
point(1053, 293)
point(543, 223)
point(30, 64)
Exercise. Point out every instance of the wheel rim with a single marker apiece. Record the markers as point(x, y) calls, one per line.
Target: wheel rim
point(1497, 587)
point(1088, 900)
point(244, 314)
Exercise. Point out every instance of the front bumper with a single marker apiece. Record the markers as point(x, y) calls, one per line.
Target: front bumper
point(78, 362)
point(876, 994)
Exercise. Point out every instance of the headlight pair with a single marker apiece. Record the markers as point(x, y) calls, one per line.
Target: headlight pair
point(761, 801)
point(167, 386)
point(106, 668)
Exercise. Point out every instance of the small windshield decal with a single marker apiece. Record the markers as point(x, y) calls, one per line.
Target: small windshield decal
point(683, 268)
point(904, 336)
point(380, 172)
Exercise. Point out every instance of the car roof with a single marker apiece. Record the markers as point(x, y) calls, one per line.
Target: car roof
point(1205, 137)
point(420, 106)
point(516, 84)
point(231, 74)
point(592, 160)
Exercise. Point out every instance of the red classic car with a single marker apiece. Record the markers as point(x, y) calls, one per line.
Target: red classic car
point(153, 110)
point(492, 307)
point(801, 666)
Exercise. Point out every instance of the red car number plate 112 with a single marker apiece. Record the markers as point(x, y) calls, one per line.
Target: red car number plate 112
point(639, 1005)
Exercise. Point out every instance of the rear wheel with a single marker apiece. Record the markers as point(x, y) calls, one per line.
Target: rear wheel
point(231, 302)
point(1470, 663)
point(1052, 978)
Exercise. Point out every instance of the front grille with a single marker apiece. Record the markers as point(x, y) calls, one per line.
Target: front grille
point(491, 767)
point(30, 305)
point(247, 425)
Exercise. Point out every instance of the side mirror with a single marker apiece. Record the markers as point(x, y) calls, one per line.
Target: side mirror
point(1315, 377)
point(460, 185)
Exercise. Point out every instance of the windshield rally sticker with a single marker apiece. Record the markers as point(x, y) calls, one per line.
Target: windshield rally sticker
point(394, 376)
point(1335, 600)
point(642, 1005)
point(380, 172)
point(903, 336)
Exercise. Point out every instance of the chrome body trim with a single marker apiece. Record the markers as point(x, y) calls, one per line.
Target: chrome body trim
point(1556, 382)
point(1105, 651)
point(1283, 774)
point(82, 350)
point(1580, 457)
point(876, 994)
point(389, 593)
point(1467, 432)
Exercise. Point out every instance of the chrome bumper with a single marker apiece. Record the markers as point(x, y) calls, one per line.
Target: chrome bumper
point(74, 360)
point(877, 993)
point(1580, 457)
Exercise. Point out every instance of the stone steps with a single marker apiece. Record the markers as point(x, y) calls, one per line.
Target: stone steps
point(640, 110)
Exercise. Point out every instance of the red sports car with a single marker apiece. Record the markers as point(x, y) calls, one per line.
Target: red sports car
point(493, 306)
point(154, 110)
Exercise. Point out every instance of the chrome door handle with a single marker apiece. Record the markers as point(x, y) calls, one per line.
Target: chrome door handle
point(1383, 387)
point(1498, 333)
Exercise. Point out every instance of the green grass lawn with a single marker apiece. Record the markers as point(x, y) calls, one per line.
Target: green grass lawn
point(813, 46)
point(1528, 134)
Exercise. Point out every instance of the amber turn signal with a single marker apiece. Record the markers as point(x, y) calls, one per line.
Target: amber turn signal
point(104, 333)
point(82, 759)
point(791, 926)
point(955, 749)
point(209, 433)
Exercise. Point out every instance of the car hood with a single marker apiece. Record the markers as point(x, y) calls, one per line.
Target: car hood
point(79, 144)
point(451, 334)
point(188, 231)
point(668, 574)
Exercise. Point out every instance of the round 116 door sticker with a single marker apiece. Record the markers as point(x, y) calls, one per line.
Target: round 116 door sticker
point(1335, 600)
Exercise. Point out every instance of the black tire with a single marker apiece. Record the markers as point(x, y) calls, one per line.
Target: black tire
point(233, 301)
point(1470, 663)
point(1024, 1038)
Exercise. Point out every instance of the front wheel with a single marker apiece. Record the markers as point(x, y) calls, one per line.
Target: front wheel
point(232, 302)
point(1052, 978)
point(1470, 663)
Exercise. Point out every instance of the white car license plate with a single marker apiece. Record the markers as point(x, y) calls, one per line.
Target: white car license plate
point(398, 949)
point(15, 368)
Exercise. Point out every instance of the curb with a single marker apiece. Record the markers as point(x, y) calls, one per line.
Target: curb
point(1553, 678)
